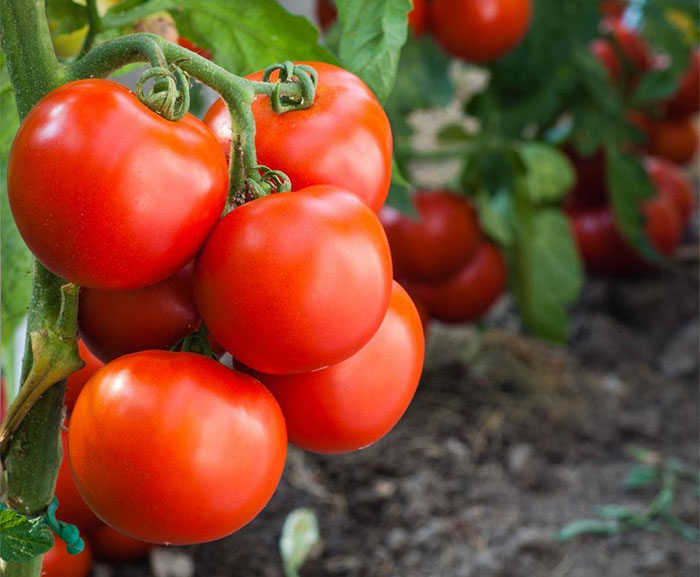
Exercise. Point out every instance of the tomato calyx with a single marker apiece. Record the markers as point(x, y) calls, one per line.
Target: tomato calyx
point(170, 94)
point(198, 342)
point(305, 76)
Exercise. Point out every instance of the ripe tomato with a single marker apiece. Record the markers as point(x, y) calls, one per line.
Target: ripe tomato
point(675, 140)
point(326, 14)
point(115, 323)
point(294, 282)
point(631, 44)
point(58, 562)
point(470, 293)
point(604, 249)
point(175, 447)
point(437, 244)
point(71, 506)
point(111, 545)
point(605, 53)
point(480, 30)
point(612, 8)
point(590, 188)
point(108, 194)
point(351, 405)
point(77, 380)
point(686, 101)
point(344, 139)
point(670, 181)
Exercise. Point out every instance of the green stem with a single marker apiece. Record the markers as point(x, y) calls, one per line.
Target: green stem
point(94, 26)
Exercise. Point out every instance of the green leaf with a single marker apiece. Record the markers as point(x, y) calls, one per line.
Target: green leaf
point(547, 275)
point(618, 512)
point(372, 34)
point(65, 16)
point(299, 536)
point(641, 476)
point(399, 192)
point(22, 538)
point(495, 215)
point(550, 174)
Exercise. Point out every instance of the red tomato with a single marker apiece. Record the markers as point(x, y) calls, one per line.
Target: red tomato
point(58, 562)
point(175, 447)
point(111, 545)
point(612, 8)
point(437, 244)
point(604, 249)
point(670, 182)
point(344, 139)
point(293, 282)
point(71, 506)
point(351, 405)
point(632, 45)
point(115, 323)
point(108, 194)
point(77, 380)
point(603, 50)
point(326, 14)
point(591, 187)
point(469, 294)
point(192, 47)
point(686, 101)
point(480, 30)
point(675, 140)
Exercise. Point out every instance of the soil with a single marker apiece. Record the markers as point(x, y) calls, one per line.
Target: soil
point(507, 440)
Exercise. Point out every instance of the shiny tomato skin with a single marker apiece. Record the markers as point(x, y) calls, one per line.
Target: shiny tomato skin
point(175, 448)
point(469, 294)
point(106, 193)
point(71, 506)
point(58, 562)
point(113, 546)
point(686, 101)
point(672, 183)
point(116, 323)
point(353, 404)
point(294, 282)
point(77, 380)
point(675, 140)
point(344, 139)
point(480, 30)
point(436, 244)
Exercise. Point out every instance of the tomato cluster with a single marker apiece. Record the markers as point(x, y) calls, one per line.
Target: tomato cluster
point(175, 447)
point(443, 257)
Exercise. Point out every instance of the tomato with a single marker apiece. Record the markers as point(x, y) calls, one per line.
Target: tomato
point(591, 187)
point(470, 293)
point(353, 404)
point(106, 193)
point(480, 30)
point(675, 140)
point(71, 506)
point(604, 249)
point(77, 380)
point(344, 139)
point(630, 43)
point(686, 101)
point(58, 562)
point(326, 14)
point(604, 51)
point(612, 8)
point(175, 448)
point(439, 242)
point(115, 323)
point(293, 282)
point(111, 545)
point(670, 182)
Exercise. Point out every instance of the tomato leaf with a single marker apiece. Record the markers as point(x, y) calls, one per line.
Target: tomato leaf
point(372, 34)
point(546, 270)
point(549, 175)
point(65, 16)
point(22, 538)
point(299, 536)
point(399, 191)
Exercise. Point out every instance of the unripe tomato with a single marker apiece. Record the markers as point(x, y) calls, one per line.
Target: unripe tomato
point(58, 562)
point(106, 193)
point(480, 30)
point(438, 243)
point(175, 447)
point(670, 182)
point(353, 404)
point(294, 282)
point(469, 294)
point(111, 545)
point(344, 139)
point(115, 323)
point(77, 380)
point(686, 101)
point(71, 506)
point(675, 140)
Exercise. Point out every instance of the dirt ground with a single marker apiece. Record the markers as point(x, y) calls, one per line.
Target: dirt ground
point(507, 440)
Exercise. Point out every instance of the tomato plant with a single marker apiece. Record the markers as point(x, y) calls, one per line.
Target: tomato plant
point(672, 183)
point(175, 448)
point(306, 286)
point(354, 403)
point(686, 101)
point(675, 140)
point(110, 545)
point(72, 156)
point(59, 563)
point(115, 323)
point(77, 380)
